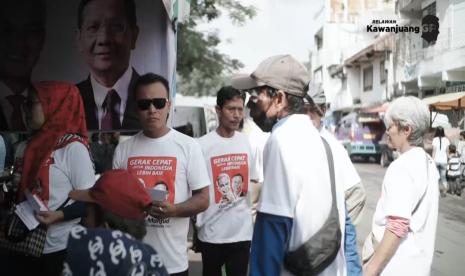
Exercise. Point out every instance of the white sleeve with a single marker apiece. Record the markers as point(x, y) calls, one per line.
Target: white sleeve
point(118, 162)
point(197, 174)
point(80, 168)
point(350, 175)
point(399, 192)
point(277, 197)
point(256, 167)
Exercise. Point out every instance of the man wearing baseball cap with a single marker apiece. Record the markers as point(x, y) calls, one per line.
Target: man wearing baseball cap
point(347, 176)
point(296, 196)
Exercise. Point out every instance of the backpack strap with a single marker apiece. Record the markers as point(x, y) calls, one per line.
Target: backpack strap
point(329, 156)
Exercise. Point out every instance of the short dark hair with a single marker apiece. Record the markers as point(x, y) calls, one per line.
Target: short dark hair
point(150, 78)
point(129, 8)
point(452, 148)
point(134, 227)
point(227, 93)
point(295, 104)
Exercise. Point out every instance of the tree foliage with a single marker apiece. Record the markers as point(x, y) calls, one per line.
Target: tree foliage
point(200, 66)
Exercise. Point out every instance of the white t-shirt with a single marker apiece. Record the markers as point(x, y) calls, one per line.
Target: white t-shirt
point(404, 184)
point(71, 169)
point(297, 183)
point(172, 162)
point(461, 150)
point(231, 165)
point(346, 172)
point(441, 149)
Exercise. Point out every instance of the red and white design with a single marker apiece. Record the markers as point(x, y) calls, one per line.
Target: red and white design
point(155, 172)
point(231, 177)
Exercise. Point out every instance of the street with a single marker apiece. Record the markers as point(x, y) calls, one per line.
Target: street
point(450, 236)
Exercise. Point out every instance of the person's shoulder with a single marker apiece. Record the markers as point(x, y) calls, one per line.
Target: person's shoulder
point(84, 84)
point(129, 141)
point(206, 138)
point(183, 138)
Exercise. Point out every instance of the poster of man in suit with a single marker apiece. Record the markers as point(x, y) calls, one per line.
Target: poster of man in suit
point(101, 46)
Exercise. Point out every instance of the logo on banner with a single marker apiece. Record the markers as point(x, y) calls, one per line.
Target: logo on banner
point(155, 173)
point(230, 176)
point(429, 27)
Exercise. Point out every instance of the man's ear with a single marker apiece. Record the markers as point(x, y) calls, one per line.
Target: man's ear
point(280, 100)
point(134, 35)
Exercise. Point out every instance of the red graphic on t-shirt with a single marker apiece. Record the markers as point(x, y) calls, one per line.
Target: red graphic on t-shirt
point(230, 177)
point(155, 172)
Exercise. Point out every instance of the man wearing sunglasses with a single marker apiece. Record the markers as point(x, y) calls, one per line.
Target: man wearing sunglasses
point(296, 195)
point(159, 153)
point(107, 33)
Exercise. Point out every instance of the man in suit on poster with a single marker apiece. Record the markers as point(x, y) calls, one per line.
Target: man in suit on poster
point(107, 33)
point(22, 35)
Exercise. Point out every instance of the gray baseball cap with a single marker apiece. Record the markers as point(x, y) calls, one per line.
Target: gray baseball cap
point(281, 72)
point(316, 92)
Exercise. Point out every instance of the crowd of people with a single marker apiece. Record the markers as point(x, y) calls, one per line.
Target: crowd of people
point(271, 193)
point(309, 193)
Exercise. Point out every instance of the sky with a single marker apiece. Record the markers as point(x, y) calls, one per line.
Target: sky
point(280, 27)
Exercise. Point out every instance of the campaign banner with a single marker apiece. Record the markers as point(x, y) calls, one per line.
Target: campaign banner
point(101, 46)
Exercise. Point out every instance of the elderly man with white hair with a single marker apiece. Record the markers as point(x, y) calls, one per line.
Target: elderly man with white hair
point(404, 223)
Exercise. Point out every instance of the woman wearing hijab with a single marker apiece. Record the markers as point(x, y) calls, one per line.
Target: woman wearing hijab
point(405, 220)
point(440, 146)
point(53, 162)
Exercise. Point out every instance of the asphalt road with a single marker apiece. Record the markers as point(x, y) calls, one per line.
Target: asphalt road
point(449, 257)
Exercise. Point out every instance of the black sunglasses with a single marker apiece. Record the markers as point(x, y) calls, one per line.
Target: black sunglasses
point(158, 103)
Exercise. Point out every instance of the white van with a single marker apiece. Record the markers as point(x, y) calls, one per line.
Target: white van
point(194, 116)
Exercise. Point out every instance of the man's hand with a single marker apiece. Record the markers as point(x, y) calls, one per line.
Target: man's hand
point(49, 217)
point(163, 209)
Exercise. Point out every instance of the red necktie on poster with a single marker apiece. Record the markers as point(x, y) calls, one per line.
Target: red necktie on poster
point(16, 117)
point(111, 104)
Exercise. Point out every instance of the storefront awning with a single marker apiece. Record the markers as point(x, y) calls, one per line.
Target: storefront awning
point(446, 101)
point(377, 109)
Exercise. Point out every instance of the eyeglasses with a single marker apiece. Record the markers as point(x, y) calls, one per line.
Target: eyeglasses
point(158, 103)
point(254, 92)
point(114, 28)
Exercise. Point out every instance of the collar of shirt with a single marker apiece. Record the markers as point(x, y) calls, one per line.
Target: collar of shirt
point(280, 122)
point(121, 87)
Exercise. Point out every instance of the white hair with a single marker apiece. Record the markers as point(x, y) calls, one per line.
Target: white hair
point(409, 111)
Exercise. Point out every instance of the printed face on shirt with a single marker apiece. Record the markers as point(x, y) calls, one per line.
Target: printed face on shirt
point(106, 37)
point(161, 186)
point(237, 182)
point(153, 119)
point(231, 114)
point(223, 183)
point(22, 34)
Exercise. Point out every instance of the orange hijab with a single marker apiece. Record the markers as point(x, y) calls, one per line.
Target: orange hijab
point(64, 114)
